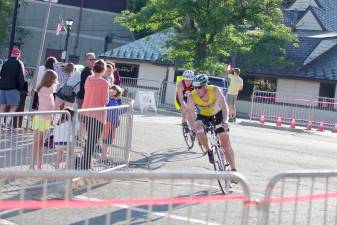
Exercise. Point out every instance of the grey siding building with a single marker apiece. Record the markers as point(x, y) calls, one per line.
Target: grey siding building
point(93, 28)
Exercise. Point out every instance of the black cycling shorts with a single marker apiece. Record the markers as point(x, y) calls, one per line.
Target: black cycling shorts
point(215, 120)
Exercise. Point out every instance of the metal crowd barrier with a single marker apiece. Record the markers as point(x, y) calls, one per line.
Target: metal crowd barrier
point(104, 137)
point(121, 198)
point(164, 91)
point(53, 140)
point(27, 140)
point(305, 110)
point(132, 85)
point(303, 197)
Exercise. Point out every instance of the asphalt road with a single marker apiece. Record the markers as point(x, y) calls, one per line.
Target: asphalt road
point(158, 146)
point(260, 152)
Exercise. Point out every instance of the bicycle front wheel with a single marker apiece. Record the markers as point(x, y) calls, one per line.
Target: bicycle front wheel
point(188, 137)
point(221, 164)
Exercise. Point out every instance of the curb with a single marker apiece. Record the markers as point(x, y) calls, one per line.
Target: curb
point(255, 124)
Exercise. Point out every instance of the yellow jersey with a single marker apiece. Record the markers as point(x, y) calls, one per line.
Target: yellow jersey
point(209, 107)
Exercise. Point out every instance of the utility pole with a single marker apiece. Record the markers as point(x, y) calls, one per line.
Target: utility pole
point(15, 13)
point(39, 57)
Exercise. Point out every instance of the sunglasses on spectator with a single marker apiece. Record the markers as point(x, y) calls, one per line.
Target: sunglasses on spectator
point(91, 59)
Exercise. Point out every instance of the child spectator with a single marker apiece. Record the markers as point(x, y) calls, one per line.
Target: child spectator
point(109, 76)
point(41, 123)
point(62, 133)
point(42, 70)
point(109, 130)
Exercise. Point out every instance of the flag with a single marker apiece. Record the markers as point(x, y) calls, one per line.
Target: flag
point(59, 28)
point(229, 66)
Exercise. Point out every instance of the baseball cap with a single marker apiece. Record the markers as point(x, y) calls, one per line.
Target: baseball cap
point(16, 52)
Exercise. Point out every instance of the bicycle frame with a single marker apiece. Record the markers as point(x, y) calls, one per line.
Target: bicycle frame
point(211, 135)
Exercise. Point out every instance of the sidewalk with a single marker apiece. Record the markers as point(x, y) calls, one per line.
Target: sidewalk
point(252, 123)
point(286, 127)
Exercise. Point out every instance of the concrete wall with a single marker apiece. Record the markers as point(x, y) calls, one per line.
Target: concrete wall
point(152, 72)
point(291, 88)
point(95, 26)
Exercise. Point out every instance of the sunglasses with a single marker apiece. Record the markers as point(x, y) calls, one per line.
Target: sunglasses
point(91, 59)
point(198, 87)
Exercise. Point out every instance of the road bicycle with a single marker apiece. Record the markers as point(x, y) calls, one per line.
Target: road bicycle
point(220, 161)
point(189, 135)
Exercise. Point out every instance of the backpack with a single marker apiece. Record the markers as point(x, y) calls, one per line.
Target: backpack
point(67, 90)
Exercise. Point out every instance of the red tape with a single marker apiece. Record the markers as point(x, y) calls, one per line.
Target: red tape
point(300, 198)
point(45, 204)
point(90, 203)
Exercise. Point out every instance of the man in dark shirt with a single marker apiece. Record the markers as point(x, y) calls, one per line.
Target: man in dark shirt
point(87, 71)
point(11, 82)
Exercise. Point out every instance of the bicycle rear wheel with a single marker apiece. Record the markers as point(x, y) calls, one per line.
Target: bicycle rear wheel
point(221, 164)
point(188, 137)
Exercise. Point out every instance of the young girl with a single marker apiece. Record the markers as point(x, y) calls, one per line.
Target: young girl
point(41, 123)
point(109, 130)
point(62, 133)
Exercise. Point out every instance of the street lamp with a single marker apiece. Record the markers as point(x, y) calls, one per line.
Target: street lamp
point(68, 23)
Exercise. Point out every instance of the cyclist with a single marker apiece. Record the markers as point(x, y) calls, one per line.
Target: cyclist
point(184, 89)
point(212, 108)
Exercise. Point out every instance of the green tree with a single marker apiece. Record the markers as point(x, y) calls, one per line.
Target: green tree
point(208, 32)
point(5, 19)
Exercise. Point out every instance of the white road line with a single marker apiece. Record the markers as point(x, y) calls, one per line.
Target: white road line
point(166, 215)
point(6, 222)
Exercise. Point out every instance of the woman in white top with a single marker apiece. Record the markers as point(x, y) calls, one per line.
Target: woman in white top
point(71, 81)
point(42, 69)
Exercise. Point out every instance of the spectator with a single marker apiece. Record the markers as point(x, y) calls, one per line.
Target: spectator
point(70, 82)
point(17, 121)
point(49, 65)
point(117, 77)
point(109, 74)
point(64, 71)
point(62, 133)
point(41, 123)
point(235, 85)
point(96, 96)
point(87, 71)
point(11, 83)
point(109, 131)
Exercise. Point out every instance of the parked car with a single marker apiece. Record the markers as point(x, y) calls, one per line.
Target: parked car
point(220, 82)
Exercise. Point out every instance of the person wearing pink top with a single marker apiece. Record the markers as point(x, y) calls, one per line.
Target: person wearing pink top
point(96, 96)
point(41, 123)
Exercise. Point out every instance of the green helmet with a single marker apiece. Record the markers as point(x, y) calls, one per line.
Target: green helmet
point(200, 80)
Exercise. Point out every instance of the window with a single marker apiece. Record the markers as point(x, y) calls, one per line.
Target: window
point(128, 70)
point(54, 52)
point(327, 90)
point(251, 84)
point(326, 96)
